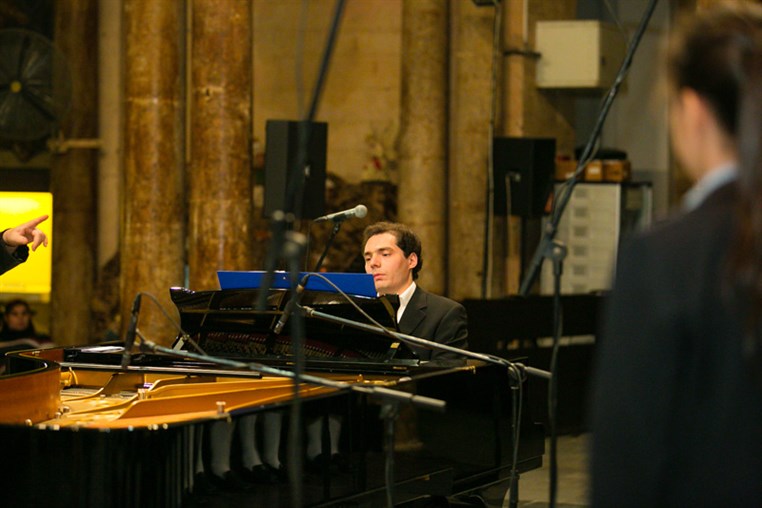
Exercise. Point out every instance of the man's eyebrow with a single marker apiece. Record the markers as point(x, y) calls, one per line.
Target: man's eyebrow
point(381, 249)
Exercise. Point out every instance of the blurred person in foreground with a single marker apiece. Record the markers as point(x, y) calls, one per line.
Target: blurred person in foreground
point(677, 400)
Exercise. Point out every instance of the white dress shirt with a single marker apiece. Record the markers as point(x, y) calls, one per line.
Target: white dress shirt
point(708, 184)
point(405, 297)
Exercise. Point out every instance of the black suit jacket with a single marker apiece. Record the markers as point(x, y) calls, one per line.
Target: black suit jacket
point(676, 416)
point(8, 260)
point(438, 319)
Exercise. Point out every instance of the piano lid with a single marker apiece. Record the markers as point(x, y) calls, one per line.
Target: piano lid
point(227, 323)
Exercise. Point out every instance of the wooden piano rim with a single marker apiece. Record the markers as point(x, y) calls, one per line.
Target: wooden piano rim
point(33, 395)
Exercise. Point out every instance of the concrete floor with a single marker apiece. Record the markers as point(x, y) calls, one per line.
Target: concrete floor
point(572, 489)
point(573, 479)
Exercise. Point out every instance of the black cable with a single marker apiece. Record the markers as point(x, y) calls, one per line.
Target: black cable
point(183, 334)
point(295, 187)
point(553, 389)
point(278, 222)
point(412, 340)
point(293, 209)
point(334, 231)
point(393, 397)
point(299, 60)
point(381, 328)
point(294, 435)
point(490, 201)
point(515, 373)
point(547, 248)
point(308, 247)
point(390, 409)
point(517, 398)
point(281, 220)
point(389, 412)
point(332, 33)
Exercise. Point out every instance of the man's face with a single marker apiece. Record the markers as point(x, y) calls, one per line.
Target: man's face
point(392, 271)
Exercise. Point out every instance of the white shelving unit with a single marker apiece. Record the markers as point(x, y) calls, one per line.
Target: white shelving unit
point(595, 220)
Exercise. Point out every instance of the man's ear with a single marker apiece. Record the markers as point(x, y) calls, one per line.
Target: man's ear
point(698, 116)
point(694, 107)
point(412, 260)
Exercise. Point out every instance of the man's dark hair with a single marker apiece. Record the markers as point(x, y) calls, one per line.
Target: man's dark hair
point(406, 240)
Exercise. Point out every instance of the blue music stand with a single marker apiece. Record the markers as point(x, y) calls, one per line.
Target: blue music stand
point(357, 284)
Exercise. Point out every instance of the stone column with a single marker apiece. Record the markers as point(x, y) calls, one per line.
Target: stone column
point(110, 109)
point(422, 201)
point(219, 181)
point(530, 112)
point(470, 105)
point(153, 238)
point(73, 177)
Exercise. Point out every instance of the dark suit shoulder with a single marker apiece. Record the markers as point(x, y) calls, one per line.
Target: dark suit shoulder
point(690, 241)
point(434, 301)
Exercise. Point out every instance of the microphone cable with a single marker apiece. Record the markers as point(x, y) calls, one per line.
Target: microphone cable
point(182, 333)
point(517, 394)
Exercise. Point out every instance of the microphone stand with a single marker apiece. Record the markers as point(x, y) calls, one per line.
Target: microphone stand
point(294, 190)
point(420, 401)
point(556, 252)
point(392, 398)
point(390, 411)
point(428, 344)
point(293, 252)
point(560, 204)
point(328, 243)
point(297, 293)
point(296, 296)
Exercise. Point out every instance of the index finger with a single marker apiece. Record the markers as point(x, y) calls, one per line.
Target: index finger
point(34, 222)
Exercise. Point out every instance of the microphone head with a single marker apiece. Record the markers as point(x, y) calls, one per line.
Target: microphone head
point(361, 211)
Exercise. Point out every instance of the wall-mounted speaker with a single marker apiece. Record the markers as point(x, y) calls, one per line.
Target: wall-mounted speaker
point(306, 184)
point(523, 170)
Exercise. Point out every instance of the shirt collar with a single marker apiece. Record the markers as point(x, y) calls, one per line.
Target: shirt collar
point(708, 184)
point(407, 294)
point(405, 298)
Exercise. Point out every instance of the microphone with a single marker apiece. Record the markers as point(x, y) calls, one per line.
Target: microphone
point(290, 305)
point(129, 338)
point(359, 211)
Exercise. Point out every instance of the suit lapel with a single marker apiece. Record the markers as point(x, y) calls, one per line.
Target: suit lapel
point(414, 313)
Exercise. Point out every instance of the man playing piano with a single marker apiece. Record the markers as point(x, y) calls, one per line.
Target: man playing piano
point(392, 253)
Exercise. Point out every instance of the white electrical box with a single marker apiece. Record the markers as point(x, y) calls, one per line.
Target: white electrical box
point(578, 54)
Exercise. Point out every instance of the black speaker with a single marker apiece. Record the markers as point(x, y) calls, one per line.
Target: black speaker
point(526, 166)
point(282, 138)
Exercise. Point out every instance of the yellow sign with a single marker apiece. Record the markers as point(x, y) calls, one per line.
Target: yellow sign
point(33, 276)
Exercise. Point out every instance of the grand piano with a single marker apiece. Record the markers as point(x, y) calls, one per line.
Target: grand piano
point(78, 430)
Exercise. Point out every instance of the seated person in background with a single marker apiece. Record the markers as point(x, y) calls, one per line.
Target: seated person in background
point(14, 241)
point(18, 326)
point(255, 467)
point(392, 253)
